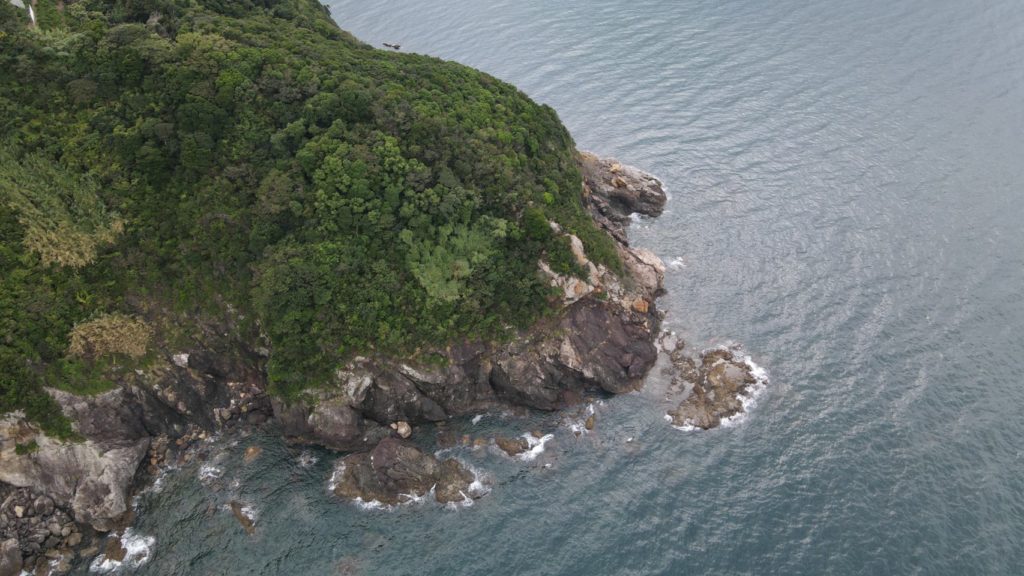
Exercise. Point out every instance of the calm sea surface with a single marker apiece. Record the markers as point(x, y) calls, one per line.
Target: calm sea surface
point(847, 202)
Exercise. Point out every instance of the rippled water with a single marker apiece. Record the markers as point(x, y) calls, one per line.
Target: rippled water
point(847, 182)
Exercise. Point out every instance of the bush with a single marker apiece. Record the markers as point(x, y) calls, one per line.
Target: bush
point(110, 334)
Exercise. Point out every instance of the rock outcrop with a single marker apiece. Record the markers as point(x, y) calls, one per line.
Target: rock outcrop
point(34, 531)
point(395, 472)
point(10, 558)
point(615, 192)
point(218, 383)
point(718, 387)
point(602, 340)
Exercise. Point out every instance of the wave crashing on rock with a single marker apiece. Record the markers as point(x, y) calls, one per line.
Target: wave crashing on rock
point(723, 387)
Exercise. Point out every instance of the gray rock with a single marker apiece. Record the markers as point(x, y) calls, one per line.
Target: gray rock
point(394, 470)
point(330, 422)
point(618, 190)
point(10, 558)
point(716, 392)
point(43, 505)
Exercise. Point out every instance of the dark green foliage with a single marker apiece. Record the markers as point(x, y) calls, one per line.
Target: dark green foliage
point(27, 448)
point(352, 200)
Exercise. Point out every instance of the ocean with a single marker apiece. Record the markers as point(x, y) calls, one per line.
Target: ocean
point(846, 187)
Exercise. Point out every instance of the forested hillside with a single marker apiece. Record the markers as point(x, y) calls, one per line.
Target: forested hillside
point(167, 158)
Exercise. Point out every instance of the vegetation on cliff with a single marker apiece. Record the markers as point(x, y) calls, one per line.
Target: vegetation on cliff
point(169, 156)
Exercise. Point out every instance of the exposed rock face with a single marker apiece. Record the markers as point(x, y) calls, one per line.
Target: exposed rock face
point(212, 386)
point(603, 340)
point(33, 531)
point(90, 478)
point(395, 471)
point(10, 558)
point(718, 387)
point(616, 191)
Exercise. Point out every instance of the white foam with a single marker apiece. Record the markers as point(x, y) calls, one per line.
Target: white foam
point(536, 446)
point(209, 472)
point(748, 400)
point(247, 510)
point(371, 504)
point(476, 489)
point(138, 549)
point(677, 263)
point(339, 469)
point(306, 459)
point(477, 418)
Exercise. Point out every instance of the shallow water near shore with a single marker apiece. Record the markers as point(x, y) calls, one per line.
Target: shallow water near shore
point(847, 202)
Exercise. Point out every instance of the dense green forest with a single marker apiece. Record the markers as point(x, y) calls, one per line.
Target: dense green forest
point(169, 157)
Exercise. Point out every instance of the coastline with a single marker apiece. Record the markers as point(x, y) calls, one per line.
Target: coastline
point(602, 340)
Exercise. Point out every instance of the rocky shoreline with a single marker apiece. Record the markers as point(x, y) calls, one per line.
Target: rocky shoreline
point(603, 340)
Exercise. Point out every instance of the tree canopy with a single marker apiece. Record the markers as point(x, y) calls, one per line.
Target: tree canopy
point(177, 153)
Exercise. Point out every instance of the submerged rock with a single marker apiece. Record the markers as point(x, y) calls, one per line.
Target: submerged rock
point(395, 471)
point(251, 454)
point(719, 386)
point(239, 512)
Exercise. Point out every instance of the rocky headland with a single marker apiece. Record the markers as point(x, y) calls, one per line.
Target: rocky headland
point(602, 339)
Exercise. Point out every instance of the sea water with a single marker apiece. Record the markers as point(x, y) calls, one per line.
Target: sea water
point(847, 203)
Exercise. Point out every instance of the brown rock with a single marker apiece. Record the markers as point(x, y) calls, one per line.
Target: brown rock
point(720, 382)
point(237, 509)
point(589, 424)
point(251, 454)
point(114, 550)
point(641, 305)
point(453, 483)
point(512, 446)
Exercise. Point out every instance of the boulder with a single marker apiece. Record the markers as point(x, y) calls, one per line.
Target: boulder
point(91, 477)
point(239, 512)
point(618, 190)
point(115, 550)
point(721, 382)
point(10, 558)
point(328, 420)
point(395, 471)
point(512, 446)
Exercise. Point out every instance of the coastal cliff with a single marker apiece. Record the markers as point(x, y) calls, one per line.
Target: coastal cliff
point(213, 215)
point(600, 339)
